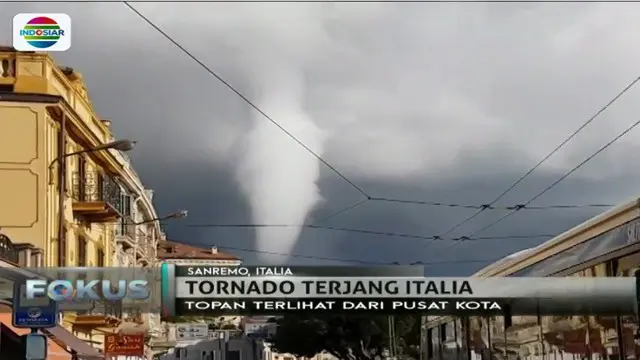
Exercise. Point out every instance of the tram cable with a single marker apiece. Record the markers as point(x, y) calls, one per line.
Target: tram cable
point(552, 185)
point(539, 163)
point(366, 196)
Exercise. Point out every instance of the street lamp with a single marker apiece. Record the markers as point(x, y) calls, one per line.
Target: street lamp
point(176, 215)
point(121, 145)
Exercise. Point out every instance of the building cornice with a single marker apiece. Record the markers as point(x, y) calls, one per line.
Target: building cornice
point(30, 98)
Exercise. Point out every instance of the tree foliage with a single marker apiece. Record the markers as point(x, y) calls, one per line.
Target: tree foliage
point(348, 337)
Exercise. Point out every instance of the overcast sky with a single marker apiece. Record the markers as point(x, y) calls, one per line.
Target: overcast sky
point(436, 101)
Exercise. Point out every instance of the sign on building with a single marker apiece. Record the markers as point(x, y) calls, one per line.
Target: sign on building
point(124, 345)
point(192, 331)
point(33, 313)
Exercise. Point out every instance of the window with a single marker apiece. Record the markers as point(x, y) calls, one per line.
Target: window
point(602, 244)
point(621, 330)
point(234, 355)
point(536, 350)
point(126, 205)
point(100, 258)
point(81, 178)
point(62, 243)
point(461, 328)
point(429, 344)
point(82, 251)
point(435, 342)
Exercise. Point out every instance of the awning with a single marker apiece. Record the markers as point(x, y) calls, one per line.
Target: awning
point(66, 339)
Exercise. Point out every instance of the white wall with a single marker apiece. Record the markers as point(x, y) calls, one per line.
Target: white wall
point(217, 350)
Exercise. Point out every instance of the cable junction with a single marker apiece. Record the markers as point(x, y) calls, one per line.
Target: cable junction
point(368, 232)
point(358, 261)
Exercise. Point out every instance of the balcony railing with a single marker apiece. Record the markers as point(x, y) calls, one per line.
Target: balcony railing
point(151, 250)
point(96, 196)
point(7, 250)
point(141, 240)
point(7, 66)
point(126, 228)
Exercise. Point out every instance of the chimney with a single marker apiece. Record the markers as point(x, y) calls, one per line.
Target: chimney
point(214, 250)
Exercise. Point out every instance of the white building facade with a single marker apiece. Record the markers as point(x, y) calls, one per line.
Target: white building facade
point(272, 355)
point(137, 234)
point(241, 348)
point(138, 231)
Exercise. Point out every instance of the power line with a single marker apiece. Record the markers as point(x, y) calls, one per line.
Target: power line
point(542, 161)
point(563, 177)
point(247, 100)
point(333, 168)
point(366, 232)
point(569, 138)
point(356, 261)
point(552, 185)
point(310, 1)
point(340, 212)
point(487, 206)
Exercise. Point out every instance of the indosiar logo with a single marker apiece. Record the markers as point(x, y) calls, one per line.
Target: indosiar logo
point(42, 32)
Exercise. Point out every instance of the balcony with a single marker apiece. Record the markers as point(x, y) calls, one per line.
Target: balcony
point(126, 232)
point(96, 197)
point(7, 67)
point(151, 249)
point(141, 250)
point(8, 250)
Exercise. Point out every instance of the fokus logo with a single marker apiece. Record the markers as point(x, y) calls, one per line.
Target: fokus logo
point(64, 290)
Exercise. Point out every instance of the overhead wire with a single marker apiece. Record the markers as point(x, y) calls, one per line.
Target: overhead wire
point(485, 206)
point(367, 197)
point(569, 138)
point(551, 186)
point(356, 261)
point(562, 178)
point(362, 231)
point(340, 212)
point(247, 100)
point(360, 190)
point(539, 163)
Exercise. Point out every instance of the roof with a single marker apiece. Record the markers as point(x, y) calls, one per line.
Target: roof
point(506, 259)
point(621, 213)
point(176, 250)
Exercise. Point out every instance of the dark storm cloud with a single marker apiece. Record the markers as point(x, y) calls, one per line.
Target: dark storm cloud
point(434, 102)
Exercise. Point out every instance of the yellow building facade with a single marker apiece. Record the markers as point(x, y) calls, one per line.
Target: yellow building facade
point(37, 100)
point(89, 209)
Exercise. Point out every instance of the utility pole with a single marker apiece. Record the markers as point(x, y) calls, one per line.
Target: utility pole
point(423, 321)
point(392, 337)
